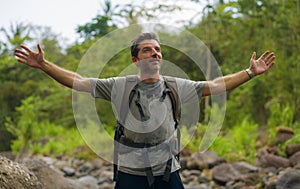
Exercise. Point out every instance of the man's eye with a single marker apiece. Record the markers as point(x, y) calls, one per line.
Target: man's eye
point(146, 50)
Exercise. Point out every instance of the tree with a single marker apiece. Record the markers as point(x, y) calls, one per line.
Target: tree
point(17, 34)
point(101, 24)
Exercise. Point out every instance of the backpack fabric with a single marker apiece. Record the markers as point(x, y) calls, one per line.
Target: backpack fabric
point(123, 143)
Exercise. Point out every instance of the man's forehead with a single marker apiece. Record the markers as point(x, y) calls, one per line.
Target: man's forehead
point(148, 42)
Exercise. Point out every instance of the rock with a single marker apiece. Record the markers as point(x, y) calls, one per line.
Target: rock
point(85, 169)
point(270, 160)
point(292, 149)
point(204, 160)
point(239, 171)
point(198, 186)
point(88, 182)
point(244, 167)
point(206, 176)
point(289, 180)
point(69, 172)
point(97, 163)
point(49, 177)
point(8, 155)
point(235, 185)
point(269, 182)
point(107, 174)
point(283, 134)
point(224, 173)
point(295, 159)
point(15, 175)
point(107, 185)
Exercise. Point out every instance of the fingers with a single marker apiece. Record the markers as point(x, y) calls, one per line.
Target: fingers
point(39, 48)
point(21, 55)
point(269, 59)
point(26, 48)
point(265, 54)
point(21, 58)
point(253, 57)
point(22, 61)
point(18, 51)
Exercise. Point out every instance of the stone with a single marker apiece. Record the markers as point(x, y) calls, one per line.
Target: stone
point(292, 149)
point(88, 182)
point(224, 173)
point(289, 180)
point(269, 182)
point(270, 160)
point(107, 185)
point(283, 134)
point(204, 160)
point(243, 172)
point(15, 175)
point(49, 177)
point(68, 171)
point(295, 159)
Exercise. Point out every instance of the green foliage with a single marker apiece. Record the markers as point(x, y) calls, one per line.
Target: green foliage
point(16, 35)
point(280, 115)
point(191, 138)
point(98, 137)
point(101, 24)
point(238, 143)
point(295, 140)
point(35, 136)
point(231, 29)
point(24, 127)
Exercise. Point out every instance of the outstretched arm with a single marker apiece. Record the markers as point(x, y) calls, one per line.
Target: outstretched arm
point(229, 82)
point(65, 77)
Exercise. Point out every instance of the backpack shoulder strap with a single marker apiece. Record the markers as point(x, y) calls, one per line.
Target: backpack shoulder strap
point(128, 94)
point(130, 83)
point(172, 85)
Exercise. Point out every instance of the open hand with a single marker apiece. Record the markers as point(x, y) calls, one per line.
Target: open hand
point(263, 63)
point(29, 57)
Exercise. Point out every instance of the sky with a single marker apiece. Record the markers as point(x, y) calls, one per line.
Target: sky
point(63, 16)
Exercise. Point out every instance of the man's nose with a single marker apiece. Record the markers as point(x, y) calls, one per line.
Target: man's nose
point(154, 53)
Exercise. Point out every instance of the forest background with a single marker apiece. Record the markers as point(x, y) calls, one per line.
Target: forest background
point(36, 115)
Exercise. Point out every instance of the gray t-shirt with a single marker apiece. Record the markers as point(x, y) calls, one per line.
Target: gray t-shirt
point(157, 125)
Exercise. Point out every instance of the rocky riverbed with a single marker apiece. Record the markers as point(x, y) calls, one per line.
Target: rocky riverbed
point(199, 171)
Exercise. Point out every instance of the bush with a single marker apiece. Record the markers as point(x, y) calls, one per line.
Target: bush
point(238, 143)
point(280, 115)
point(33, 136)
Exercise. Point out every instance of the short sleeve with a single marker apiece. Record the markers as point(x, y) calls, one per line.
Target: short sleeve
point(188, 90)
point(102, 88)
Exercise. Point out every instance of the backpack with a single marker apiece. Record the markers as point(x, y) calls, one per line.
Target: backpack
point(129, 92)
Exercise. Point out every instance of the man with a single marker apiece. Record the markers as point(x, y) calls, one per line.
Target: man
point(149, 120)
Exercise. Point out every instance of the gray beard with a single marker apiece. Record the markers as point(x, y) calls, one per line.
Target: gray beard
point(147, 67)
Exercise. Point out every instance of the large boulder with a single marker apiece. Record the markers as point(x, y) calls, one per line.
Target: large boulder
point(49, 177)
point(14, 175)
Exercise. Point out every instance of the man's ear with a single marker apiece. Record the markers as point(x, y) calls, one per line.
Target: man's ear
point(134, 59)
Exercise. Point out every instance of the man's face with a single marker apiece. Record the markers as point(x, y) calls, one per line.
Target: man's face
point(149, 56)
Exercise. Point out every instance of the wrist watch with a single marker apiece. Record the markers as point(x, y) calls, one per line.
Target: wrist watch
point(249, 72)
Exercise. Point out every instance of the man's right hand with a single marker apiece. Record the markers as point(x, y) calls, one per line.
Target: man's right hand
point(29, 57)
